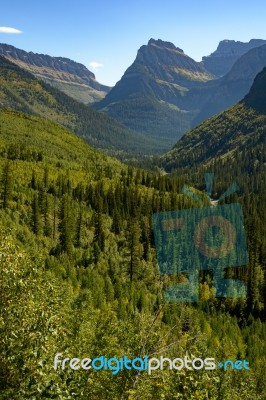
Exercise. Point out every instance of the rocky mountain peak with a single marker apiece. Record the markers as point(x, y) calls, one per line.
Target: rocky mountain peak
point(164, 45)
point(237, 47)
point(164, 61)
point(42, 60)
point(227, 53)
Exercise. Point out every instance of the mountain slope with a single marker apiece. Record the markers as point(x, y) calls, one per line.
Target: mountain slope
point(232, 87)
point(151, 97)
point(79, 271)
point(69, 76)
point(34, 139)
point(237, 135)
point(227, 53)
point(20, 90)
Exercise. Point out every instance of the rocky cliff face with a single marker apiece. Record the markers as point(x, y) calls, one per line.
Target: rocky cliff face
point(232, 87)
point(164, 61)
point(236, 135)
point(151, 96)
point(160, 70)
point(69, 76)
point(228, 51)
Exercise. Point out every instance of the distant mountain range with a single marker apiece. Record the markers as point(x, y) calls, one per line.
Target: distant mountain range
point(165, 92)
point(228, 90)
point(69, 76)
point(234, 139)
point(162, 95)
point(227, 53)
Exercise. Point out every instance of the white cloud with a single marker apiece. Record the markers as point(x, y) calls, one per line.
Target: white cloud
point(95, 65)
point(6, 29)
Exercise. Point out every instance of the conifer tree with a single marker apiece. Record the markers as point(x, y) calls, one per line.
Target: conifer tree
point(79, 227)
point(46, 217)
point(99, 235)
point(33, 182)
point(36, 216)
point(6, 182)
point(46, 178)
point(66, 225)
point(134, 246)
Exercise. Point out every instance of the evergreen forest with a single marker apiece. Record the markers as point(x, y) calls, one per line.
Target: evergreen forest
point(79, 272)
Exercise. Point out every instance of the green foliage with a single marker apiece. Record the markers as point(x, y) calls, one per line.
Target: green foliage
point(6, 183)
point(33, 323)
point(230, 137)
point(79, 277)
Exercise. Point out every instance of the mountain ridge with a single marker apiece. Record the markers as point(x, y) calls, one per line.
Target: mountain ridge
point(21, 91)
point(237, 135)
point(151, 95)
point(232, 87)
point(164, 93)
point(223, 58)
point(65, 74)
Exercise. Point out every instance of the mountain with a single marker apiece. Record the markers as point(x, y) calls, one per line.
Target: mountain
point(20, 90)
point(152, 95)
point(165, 93)
point(231, 88)
point(69, 76)
point(236, 138)
point(161, 95)
point(227, 53)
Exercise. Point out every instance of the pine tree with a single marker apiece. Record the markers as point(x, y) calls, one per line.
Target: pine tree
point(116, 225)
point(99, 235)
point(134, 246)
point(36, 216)
point(33, 182)
point(46, 178)
point(6, 182)
point(47, 229)
point(79, 228)
point(65, 226)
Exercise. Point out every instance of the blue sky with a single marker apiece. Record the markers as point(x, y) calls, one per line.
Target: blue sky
point(110, 32)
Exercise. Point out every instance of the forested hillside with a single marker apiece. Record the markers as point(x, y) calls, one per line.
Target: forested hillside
point(80, 277)
point(21, 91)
point(235, 137)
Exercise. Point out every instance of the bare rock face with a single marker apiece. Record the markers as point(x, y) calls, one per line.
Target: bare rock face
point(152, 95)
point(69, 76)
point(167, 62)
point(233, 137)
point(232, 87)
point(227, 53)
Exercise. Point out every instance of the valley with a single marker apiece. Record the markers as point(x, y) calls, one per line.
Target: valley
point(79, 258)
